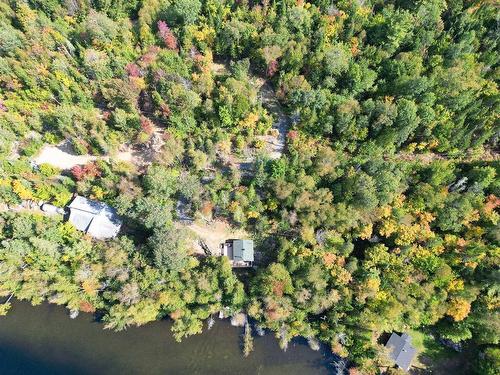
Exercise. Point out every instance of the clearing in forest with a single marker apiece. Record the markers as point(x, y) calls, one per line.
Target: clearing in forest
point(63, 155)
point(275, 145)
point(212, 234)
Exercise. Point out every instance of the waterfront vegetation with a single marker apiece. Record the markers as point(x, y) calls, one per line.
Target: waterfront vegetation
point(380, 215)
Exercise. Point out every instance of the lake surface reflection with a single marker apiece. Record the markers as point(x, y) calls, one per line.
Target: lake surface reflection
point(43, 340)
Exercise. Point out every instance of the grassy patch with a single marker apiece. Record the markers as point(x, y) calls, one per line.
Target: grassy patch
point(436, 358)
point(430, 351)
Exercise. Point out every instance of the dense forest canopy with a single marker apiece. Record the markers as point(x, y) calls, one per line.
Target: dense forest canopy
point(380, 214)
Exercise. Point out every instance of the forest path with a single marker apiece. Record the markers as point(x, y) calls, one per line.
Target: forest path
point(274, 143)
point(429, 157)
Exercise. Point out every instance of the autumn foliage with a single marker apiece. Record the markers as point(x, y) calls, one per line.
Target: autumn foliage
point(88, 171)
point(147, 125)
point(272, 68)
point(166, 35)
point(458, 309)
point(354, 141)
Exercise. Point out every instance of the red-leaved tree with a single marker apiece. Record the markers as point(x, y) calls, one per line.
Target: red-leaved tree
point(165, 110)
point(272, 68)
point(292, 134)
point(89, 170)
point(166, 35)
point(133, 70)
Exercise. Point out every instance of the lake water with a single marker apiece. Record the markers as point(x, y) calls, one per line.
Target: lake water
point(43, 340)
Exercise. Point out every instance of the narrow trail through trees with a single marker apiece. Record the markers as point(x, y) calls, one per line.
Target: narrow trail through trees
point(276, 145)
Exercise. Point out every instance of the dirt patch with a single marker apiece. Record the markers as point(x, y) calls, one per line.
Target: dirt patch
point(212, 233)
point(24, 206)
point(62, 156)
point(218, 68)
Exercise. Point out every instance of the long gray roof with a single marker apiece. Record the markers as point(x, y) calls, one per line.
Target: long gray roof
point(402, 352)
point(95, 218)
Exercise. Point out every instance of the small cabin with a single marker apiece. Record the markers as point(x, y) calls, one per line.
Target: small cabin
point(400, 350)
point(94, 218)
point(239, 252)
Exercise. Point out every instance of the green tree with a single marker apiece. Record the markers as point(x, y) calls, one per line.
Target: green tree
point(170, 249)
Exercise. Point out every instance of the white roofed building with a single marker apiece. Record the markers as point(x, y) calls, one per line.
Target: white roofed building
point(94, 218)
point(401, 350)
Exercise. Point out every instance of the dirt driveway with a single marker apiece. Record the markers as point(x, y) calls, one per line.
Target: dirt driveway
point(63, 155)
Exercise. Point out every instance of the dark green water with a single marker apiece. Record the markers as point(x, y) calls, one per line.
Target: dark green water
point(43, 340)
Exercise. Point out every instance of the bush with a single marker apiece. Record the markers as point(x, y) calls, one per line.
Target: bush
point(32, 147)
point(48, 170)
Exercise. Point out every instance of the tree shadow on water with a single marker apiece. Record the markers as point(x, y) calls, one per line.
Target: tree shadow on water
point(326, 361)
point(18, 361)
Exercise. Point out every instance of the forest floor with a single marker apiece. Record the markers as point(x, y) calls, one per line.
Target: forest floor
point(429, 157)
point(275, 145)
point(218, 68)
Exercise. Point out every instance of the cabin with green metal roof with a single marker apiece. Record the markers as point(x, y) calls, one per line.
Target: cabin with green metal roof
point(240, 252)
